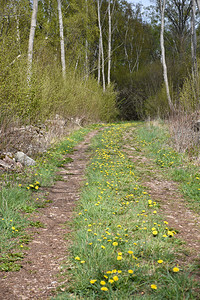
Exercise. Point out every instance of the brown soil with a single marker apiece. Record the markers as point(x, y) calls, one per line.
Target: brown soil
point(41, 271)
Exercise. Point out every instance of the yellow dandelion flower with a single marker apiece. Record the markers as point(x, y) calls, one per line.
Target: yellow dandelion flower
point(130, 271)
point(104, 288)
point(92, 281)
point(176, 269)
point(77, 258)
point(111, 281)
point(119, 257)
point(103, 247)
point(115, 278)
point(115, 244)
point(154, 286)
point(160, 261)
point(82, 261)
point(102, 282)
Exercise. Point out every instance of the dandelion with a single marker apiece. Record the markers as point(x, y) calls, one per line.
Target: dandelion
point(176, 269)
point(104, 288)
point(130, 271)
point(19, 185)
point(102, 282)
point(103, 247)
point(160, 261)
point(92, 281)
point(82, 261)
point(77, 258)
point(115, 278)
point(115, 244)
point(111, 281)
point(154, 286)
point(119, 257)
point(155, 232)
point(13, 228)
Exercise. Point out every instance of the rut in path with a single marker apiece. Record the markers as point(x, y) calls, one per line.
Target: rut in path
point(38, 277)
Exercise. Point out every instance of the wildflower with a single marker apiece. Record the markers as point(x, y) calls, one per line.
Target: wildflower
point(176, 269)
point(103, 247)
point(130, 271)
point(115, 278)
point(82, 261)
point(154, 286)
point(119, 257)
point(115, 244)
point(104, 288)
point(160, 261)
point(155, 232)
point(102, 282)
point(77, 258)
point(13, 228)
point(105, 276)
point(90, 244)
point(19, 185)
point(110, 280)
point(92, 281)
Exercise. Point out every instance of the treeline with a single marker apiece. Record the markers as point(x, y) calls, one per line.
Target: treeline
point(96, 59)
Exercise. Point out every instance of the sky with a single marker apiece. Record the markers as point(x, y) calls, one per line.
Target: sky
point(144, 2)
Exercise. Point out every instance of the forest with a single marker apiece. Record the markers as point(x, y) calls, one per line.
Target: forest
point(98, 60)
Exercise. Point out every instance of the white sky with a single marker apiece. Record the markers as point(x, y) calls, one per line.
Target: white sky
point(144, 2)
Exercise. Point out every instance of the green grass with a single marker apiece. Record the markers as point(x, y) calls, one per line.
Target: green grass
point(119, 235)
point(22, 194)
point(155, 142)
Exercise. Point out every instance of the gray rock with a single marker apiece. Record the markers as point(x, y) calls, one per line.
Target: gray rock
point(24, 159)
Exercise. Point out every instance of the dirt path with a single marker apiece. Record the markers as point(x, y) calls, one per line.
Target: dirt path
point(172, 204)
point(41, 271)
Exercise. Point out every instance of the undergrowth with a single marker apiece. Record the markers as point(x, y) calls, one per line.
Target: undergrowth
point(122, 247)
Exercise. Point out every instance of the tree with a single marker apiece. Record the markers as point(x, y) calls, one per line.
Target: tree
point(31, 38)
point(62, 44)
point(101, 50)
point(162, 11)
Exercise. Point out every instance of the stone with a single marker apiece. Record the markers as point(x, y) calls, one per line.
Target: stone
point(24, 159)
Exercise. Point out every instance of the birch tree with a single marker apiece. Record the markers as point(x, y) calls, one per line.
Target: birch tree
point(109, 40)
point(193, 41)
point(162, 10)
point(31, 39)
point(101, 52)
point(62, 44)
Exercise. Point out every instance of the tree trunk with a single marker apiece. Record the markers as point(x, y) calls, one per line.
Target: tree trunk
point(62, 44)
point(31, 39)
point(101, 43)
point(162, 10)
point(193, 41)
point(109, 40)
point(198, 4)
point(99, 63)
point(86, 43)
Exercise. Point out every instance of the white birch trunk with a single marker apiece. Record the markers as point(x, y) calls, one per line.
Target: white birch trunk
point(101, 43)
point(198, 4)
point(109, 41)
point(162, 10)
point(99, 63)
point(86, 43)
point(31, 39)
point(62, 44)
point(193, 41)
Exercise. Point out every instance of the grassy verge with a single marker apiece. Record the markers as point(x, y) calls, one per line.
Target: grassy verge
point(21, 194)
point(122, 248)
point(155, 140)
